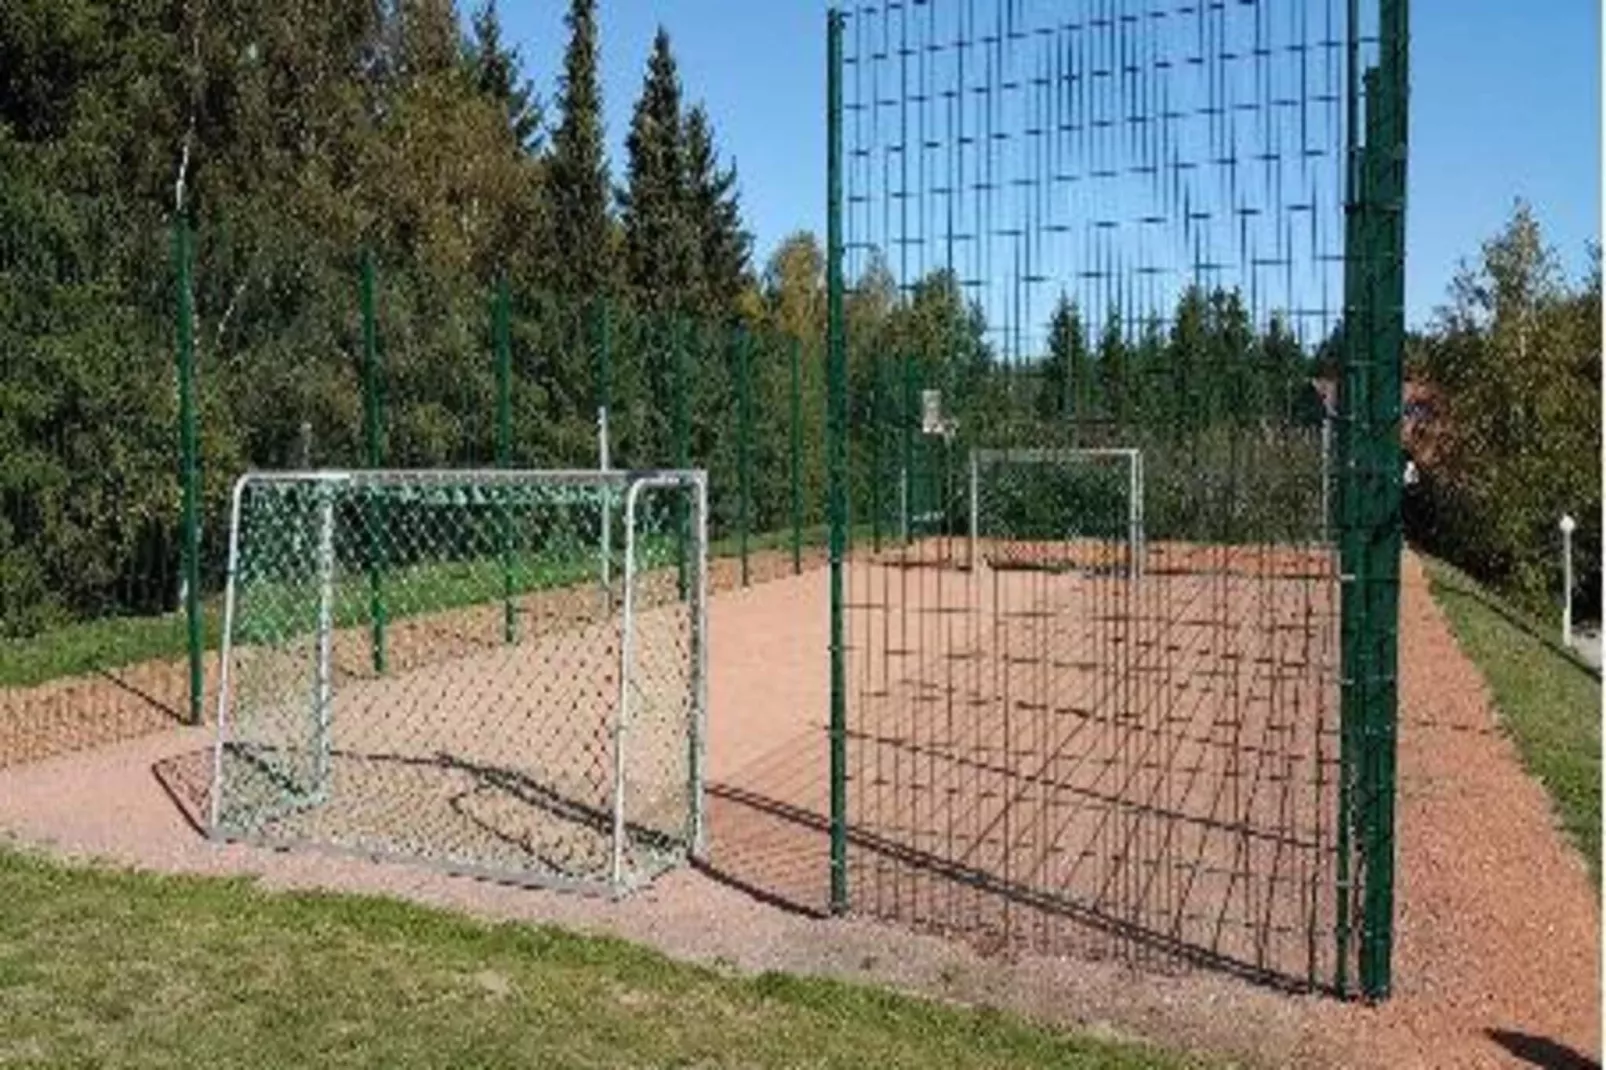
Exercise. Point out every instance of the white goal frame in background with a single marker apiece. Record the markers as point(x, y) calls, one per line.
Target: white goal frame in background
point(980, 459)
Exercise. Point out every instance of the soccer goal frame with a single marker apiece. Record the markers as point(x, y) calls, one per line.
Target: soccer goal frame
point(983, 458)
point(327, 505)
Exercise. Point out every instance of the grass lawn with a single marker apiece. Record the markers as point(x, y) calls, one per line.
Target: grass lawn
point(113, 642)
point(1549, 701)
point(99, 967)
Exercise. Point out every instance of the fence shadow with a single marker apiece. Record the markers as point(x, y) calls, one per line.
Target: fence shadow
point(1541, 1051)
point(93, 710)
point(771, 839)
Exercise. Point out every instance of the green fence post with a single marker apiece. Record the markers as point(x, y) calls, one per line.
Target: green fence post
point(1387, 93)
point(744, 438)
point(797, 456)
point(504, 446)
point(189, 472)
point(907, 482)
point(681, 430)
point(372, 420)
point(837, 444)
point(1350, 565)
point(604, 437)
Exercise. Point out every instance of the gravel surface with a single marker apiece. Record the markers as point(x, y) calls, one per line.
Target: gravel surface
point(1497, 962)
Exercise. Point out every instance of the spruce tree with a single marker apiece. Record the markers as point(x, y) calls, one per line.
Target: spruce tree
point(660, 238)
point(577, 172)
point(1115, 367)
point(1065, 387)
point(495, 68)
point(725, 248)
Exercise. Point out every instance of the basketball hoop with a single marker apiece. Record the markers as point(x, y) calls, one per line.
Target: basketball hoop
point(932, 421)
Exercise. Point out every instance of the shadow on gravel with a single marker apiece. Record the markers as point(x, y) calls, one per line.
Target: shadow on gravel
point(770, 839)
point(1541, 1052)
point(187, 780)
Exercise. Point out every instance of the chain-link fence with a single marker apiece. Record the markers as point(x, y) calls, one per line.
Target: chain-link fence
point(493, 672)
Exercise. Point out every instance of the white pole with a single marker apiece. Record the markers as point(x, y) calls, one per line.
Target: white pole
point(975, 514)
point(324, 698)
point(1134, 507)
point(1568, 525)
point(621, 722)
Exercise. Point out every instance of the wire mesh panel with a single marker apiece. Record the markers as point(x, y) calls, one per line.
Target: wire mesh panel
point(1119, 241)
point(494, 672)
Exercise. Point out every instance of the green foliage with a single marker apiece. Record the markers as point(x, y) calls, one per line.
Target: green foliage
point(495, 68)
point(724, 247)
point(661, 242)
point(684, 244)
point(577, 173)
point(295, 136)
point(1513, 439)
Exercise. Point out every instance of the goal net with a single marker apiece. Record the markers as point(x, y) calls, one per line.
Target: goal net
point(498, 672)
point(1058, 509)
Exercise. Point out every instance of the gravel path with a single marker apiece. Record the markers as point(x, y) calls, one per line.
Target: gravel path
point(1498, 954)
point(1499, 926)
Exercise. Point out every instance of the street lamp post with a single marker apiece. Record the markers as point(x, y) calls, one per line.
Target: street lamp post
point(1568, 526)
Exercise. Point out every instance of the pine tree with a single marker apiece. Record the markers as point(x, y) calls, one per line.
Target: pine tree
point(581, 240)
point(659, 234)
point(495, 68)
point(1066, 373)
point(1115, 367)
point(1186, 354)
point(422, 37)
point(725, 248)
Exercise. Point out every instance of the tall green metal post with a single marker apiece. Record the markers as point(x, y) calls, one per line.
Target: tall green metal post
point(837, 444)
point(682, 432)
point(906, 484)
point(604, 335)
point(504, 446)
point(744, 438)
point(1386, 156)
point(373, 416)
point(189, 476)
point(1351, 388)
point(797, 457)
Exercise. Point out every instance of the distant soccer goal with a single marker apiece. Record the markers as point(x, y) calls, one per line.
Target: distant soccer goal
point(470, 669)
point(1061, 508)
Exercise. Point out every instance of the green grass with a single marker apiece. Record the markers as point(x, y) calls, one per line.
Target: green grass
point(100, 967)
point(107, 643)
point(113, 642)
point(1548, 700)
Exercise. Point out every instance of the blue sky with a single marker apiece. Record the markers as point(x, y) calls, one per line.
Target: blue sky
point(1505, 104)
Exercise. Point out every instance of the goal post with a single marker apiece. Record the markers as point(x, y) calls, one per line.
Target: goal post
point(570, 754)
point(985, 461)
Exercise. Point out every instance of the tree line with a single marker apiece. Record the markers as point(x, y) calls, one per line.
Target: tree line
point(1511, 419)
point(297, 138)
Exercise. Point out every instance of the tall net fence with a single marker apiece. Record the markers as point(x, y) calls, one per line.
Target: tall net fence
point(114, 537)
point(1114, 338)
point(492, 672)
